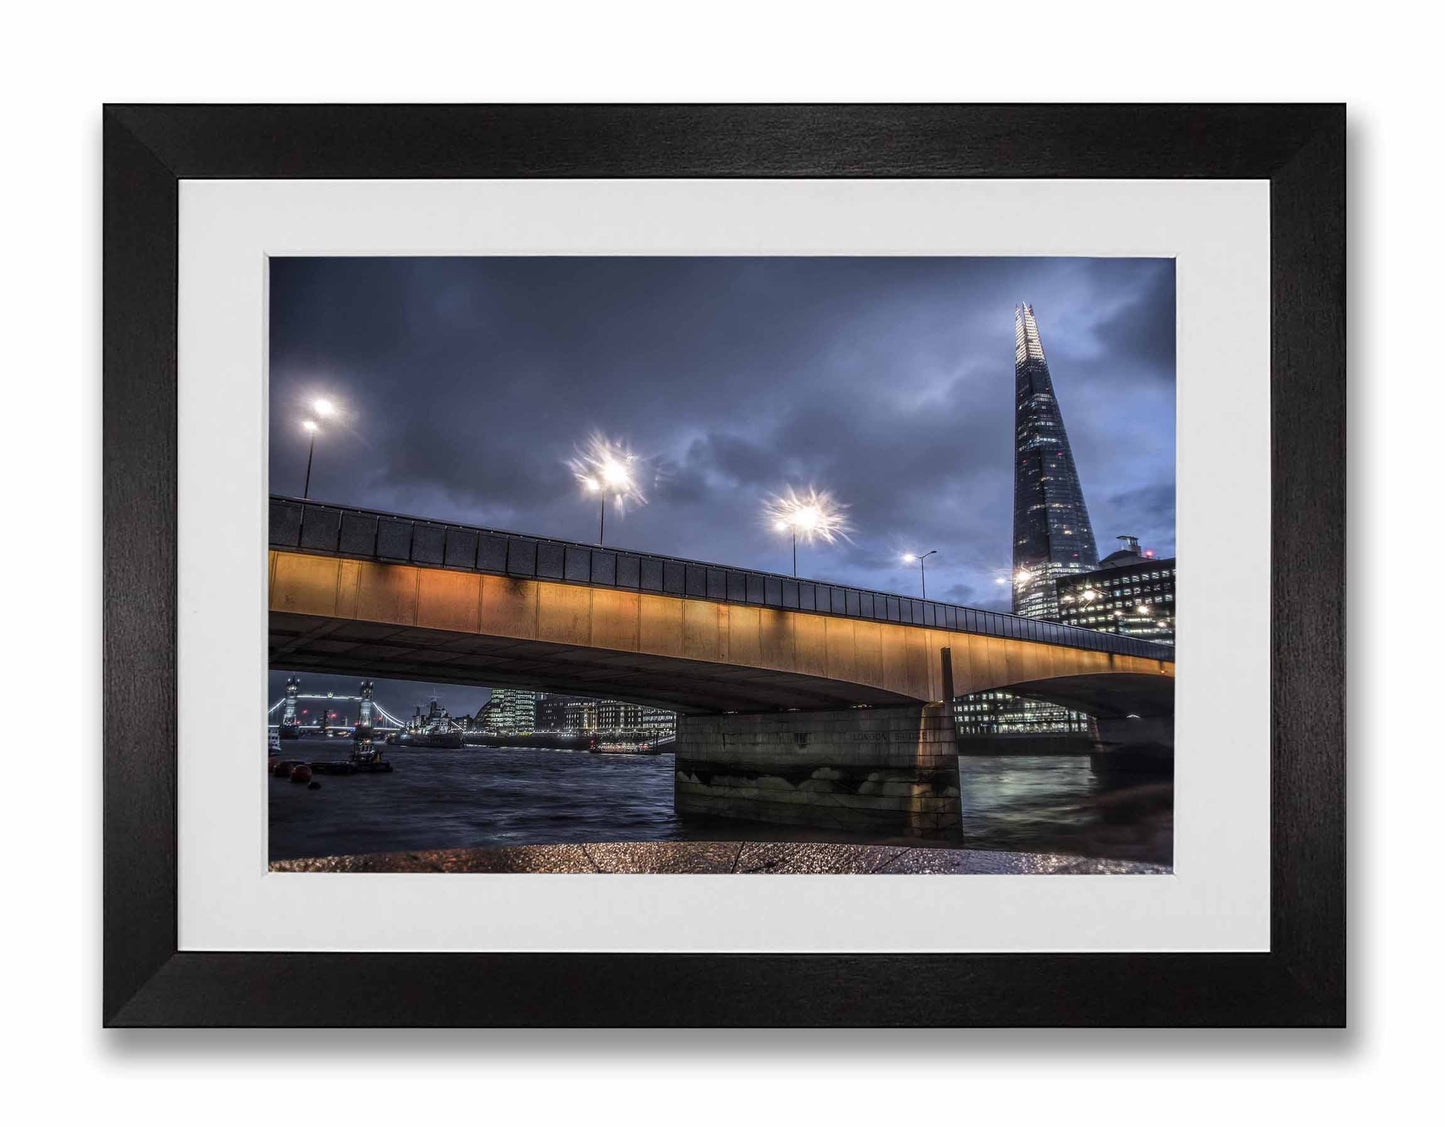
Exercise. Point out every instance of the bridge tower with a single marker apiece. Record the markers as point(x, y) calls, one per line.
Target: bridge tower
point(290, 721)
point(363, 719)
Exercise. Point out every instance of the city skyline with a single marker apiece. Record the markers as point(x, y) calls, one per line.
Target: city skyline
point(888, 382)
point(398, 697)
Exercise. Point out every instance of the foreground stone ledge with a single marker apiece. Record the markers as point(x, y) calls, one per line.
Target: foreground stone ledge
point(718, 857)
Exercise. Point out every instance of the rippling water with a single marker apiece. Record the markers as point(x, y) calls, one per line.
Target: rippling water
point(1056, 804)
point(439, 799)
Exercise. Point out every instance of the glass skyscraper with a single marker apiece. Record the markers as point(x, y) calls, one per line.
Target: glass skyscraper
point(1052, 533)
point(1052, 539)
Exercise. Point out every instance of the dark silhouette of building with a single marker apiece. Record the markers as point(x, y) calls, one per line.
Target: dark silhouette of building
point(1130, 593)
point(1052, 534)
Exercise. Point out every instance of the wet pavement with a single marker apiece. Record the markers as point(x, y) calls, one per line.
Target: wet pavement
point(718, 857)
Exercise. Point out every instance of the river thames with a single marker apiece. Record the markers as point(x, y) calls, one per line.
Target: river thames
point(442, 799)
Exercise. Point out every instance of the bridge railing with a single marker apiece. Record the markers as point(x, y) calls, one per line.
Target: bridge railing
point(311, 526)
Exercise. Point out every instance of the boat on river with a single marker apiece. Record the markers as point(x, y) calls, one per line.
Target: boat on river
point(433, 728)
point(450, 740)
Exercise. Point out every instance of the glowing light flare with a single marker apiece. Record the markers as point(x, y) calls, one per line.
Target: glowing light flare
point(814, 515)
point(310, 426)
point(323, 407)
point(606, 467)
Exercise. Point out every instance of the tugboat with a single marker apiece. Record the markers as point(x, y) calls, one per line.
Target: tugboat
point(365, 759)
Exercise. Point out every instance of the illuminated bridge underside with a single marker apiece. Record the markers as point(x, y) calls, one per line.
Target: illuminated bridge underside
point(336, 615)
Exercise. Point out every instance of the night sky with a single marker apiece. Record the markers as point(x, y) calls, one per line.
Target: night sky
point(466, 384)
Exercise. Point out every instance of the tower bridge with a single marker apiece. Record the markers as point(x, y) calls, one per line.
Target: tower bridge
point(367, 712)
point(799, 701)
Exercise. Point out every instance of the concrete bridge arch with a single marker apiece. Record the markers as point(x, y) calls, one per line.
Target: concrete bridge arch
point(800, 701)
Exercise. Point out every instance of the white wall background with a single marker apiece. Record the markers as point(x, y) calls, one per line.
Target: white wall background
point(62, 61)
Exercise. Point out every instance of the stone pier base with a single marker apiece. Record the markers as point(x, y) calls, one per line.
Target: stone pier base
point(890, 771)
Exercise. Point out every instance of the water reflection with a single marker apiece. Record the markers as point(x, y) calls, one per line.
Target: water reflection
point(439, 799)
point(1058, 804)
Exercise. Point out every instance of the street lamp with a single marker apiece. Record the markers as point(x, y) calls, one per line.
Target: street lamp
point(323, 409)
point(606, 470)
point(814, 515)
point(909, 557)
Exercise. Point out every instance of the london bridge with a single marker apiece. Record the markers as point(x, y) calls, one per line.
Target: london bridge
point(802, 702)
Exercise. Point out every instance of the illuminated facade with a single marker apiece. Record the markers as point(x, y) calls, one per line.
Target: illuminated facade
point(659, 724)
point(512, 711)
point(560, 712)
point(1131, 593)
point(635, 719)
point(1003, 714)
point(1052, 534)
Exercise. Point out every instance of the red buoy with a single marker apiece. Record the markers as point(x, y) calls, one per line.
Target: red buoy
point(301, 773)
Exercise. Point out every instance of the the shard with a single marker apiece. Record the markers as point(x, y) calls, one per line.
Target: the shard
point(1052, 533)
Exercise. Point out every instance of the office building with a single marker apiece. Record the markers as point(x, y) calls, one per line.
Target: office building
point(1130, 593)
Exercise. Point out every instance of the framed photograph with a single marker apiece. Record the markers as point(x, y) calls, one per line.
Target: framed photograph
point(724, 565)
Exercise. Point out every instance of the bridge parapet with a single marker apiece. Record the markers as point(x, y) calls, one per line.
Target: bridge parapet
point(369, 534)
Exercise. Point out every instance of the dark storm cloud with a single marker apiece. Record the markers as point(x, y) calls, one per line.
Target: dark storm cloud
point(469, 382)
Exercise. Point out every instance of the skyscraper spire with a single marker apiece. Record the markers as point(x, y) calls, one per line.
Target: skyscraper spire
point(1027, 345)
point(1052, 533)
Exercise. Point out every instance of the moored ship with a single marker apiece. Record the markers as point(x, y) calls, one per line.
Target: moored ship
point(554, 741)
point(425, 739)
point(433, 728)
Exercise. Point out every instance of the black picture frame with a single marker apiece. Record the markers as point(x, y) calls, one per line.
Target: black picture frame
point(1299, 149)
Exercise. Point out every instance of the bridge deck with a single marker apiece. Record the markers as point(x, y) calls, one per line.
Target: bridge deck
point(369, 534)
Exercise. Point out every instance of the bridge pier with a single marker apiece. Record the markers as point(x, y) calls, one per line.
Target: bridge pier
point(890, 770)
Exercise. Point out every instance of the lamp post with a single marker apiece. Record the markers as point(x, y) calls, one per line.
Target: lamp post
point(310, 427)
point(605, 470)
point(816, 515)
point(593, 486)
point(325, 409)
point(788, 526)
point(909, 557)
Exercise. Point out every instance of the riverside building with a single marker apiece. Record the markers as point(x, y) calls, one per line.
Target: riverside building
point(1130, 593)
